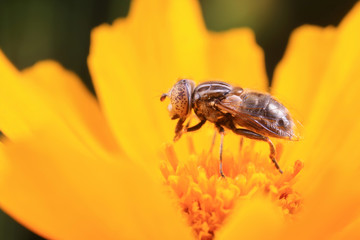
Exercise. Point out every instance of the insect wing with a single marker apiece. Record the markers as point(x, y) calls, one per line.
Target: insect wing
point(248, 119)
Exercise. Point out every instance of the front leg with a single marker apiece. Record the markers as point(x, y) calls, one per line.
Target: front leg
point(250, 134)
point(179, 129)
point(196, 127)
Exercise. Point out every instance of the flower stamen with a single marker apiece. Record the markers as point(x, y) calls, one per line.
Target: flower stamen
point(207, 199)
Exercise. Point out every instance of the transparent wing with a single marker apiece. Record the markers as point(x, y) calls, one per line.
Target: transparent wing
point(252, 120)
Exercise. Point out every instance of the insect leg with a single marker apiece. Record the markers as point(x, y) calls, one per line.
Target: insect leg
point(222, 133)
point(253, 135)
point(196, 127)
point(178, 129)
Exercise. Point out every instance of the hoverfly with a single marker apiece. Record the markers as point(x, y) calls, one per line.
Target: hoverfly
point(248, 113)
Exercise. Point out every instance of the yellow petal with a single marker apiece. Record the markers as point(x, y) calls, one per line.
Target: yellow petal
point(299, 76)
point(317, 65)
point(137, 59)
point(332, 112)
point(330, 192)
point(339, 78)
point(122, 101)
point(22, 108)
point(237, 59)
point(54, 187)
point(331, 131)
point(73, 103)
point(171, 40)
point(253, 219)
point(327, 109)
point(134, 61)
point(351, 231)
point(30, 103)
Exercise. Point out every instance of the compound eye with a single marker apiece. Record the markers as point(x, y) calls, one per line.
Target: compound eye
point(180, 98)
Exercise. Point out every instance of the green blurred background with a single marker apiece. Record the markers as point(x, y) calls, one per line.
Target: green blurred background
point(48, 29)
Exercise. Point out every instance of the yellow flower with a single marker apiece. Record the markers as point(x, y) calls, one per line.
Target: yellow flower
point(72, 167)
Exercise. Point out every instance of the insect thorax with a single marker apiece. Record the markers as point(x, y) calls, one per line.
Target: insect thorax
point(204, 96)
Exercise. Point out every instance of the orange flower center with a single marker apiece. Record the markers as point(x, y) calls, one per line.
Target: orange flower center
point(207, 199)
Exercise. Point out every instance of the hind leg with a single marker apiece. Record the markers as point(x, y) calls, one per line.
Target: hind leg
point(222, 133)
point(250, 134)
